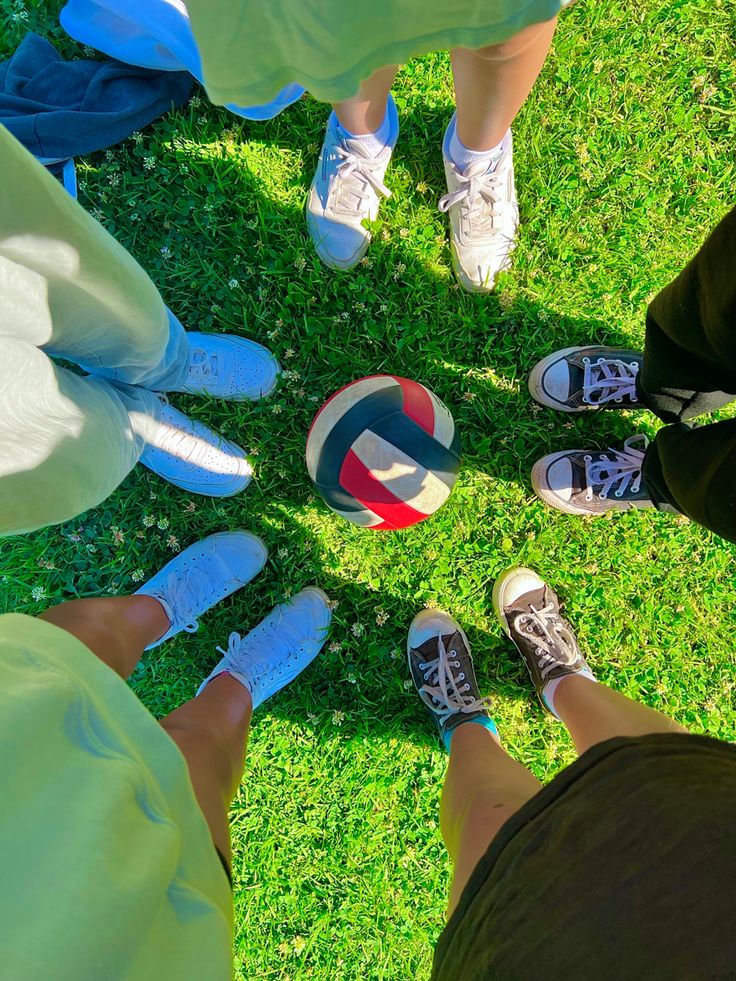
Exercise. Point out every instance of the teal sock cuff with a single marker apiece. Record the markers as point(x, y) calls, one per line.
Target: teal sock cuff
point(481, 720)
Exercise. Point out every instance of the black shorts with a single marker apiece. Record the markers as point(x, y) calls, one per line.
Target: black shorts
point(623, 867)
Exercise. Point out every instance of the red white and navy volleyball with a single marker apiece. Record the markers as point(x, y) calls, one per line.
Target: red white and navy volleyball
point(384, 452)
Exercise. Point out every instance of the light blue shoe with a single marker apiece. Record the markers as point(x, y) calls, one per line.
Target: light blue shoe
point(203, 575)
point(280, 647)
point(189, 455)
point(228, 367)
point(345, 192)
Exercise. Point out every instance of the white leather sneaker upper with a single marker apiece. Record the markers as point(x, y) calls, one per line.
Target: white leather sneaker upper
point(346, 190)
point(229, 367)
point(484, 217)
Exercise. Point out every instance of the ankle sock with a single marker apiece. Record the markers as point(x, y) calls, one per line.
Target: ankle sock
point(548, 692)
point(481, 720)
point(373, 142)
point(462, 157)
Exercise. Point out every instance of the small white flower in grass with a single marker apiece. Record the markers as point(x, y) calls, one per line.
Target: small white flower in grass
point(92, 549)
point(162, 524)
point(422, 187)
point(404, 232)
point(301, 392)
point(338, 717)
point(172, 542)
point(284, 949)
point(351, 678)
point(215, 308)
point(282, 552)
point(289, 352)
point(311, 717)
point(75, 537)
point(38, 593)
point(298, 943)
point(137, 137)
point(344, 315)
point(233, 283)
point(314, 398)
point(113, 180)
point(195, 102)
point(117, 536)
point(381, 617)
point(277, 409)
point(138, 575)
point(383, 308)
point(357, 629)
point(395, 655)
point(408, 684)
point(135, 216)
point(543, 316)
point(335, 647)
point(149, 163)
point(148, 521)
point(299, 263)
point(166, 252)
point(99, 215)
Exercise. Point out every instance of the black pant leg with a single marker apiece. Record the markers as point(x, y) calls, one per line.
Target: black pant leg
point(690, 351)
point(693, 469)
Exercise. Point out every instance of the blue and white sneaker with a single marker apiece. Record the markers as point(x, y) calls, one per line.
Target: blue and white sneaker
point(203, 575)
point(189, 455)
point(346, 191)
point(441, 667)
point(228, 367)
point(279, 648)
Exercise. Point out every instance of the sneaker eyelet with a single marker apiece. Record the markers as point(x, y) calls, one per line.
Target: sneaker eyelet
point(587, 458)
point(619, 493)
point(603, 496)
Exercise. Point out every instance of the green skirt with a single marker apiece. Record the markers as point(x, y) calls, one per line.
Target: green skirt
point(251, 49)
point(622, 869)
point(108, 868)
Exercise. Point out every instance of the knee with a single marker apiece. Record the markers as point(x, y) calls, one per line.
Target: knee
point(516, 45)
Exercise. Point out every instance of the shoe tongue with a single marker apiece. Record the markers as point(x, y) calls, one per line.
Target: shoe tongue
point(538, 598)
point(430, 649)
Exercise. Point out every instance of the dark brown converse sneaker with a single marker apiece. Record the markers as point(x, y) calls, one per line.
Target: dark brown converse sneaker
point(442, 670)
point(529, 612)
point(578, 379)
point(590, 482)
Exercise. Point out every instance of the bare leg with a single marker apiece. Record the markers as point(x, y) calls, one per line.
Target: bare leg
point(592, 713)
point(116, 628)
point(483, 788)
point(492, 84)
point(211, 730)
point(365, 112)
point(212, 733)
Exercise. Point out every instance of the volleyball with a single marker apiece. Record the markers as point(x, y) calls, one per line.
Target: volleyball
point(384, 452)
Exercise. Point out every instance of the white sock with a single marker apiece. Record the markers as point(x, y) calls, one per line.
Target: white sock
point(462, 157)
point(548, 692)
point(373, 142)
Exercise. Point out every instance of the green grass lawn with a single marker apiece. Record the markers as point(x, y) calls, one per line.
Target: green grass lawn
point(624, 161)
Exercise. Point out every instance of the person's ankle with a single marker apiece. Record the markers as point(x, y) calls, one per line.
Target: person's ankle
point(549, 692)
point(482, 721)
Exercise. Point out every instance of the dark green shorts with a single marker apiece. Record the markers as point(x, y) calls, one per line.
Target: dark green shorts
point(624, 867)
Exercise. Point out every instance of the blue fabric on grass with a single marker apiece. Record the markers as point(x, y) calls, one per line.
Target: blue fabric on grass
point(153, 34)
point(60, 109)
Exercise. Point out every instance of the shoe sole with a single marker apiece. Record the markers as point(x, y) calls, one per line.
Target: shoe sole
point(245, 476)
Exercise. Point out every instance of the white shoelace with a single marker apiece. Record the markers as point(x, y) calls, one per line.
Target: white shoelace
point(443, 695)
point(190, 588)
point(267, 648)
point(550, 636)
point(613, 378)
point(478, 193)
point(355, 178)
point(203, 364)
point(623, 468)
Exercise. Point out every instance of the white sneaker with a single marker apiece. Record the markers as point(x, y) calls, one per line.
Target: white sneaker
point(229, 367)
point(189, 455)
point(280, 647)
point(346, 190)
point(203, 575)
point(484, 216)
